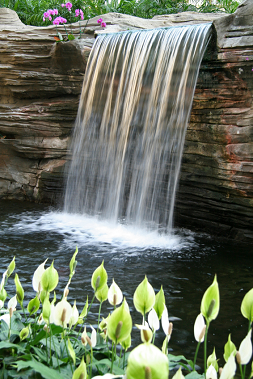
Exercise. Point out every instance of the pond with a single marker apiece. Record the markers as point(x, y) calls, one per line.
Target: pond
point(184, 264)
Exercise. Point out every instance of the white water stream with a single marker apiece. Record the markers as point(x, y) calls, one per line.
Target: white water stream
point(129, 135)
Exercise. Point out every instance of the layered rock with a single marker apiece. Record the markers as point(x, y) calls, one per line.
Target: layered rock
point(40, 87)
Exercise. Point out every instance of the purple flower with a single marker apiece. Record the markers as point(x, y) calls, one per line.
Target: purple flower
point(59, 20)
point(103, 24)
point(79, 12)
point(50, 18)
point(247, 58)
point(63, 5)
point(53, 12)
point(68, 5)
point(99, 20)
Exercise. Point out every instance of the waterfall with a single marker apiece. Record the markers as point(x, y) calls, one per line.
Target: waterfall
point(129, 134)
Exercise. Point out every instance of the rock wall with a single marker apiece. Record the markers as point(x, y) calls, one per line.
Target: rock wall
point(41, 81)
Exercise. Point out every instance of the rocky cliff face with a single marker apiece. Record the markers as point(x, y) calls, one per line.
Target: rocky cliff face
point(41, 82)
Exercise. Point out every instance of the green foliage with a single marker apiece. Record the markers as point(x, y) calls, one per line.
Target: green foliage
point(44, 340)
point(31, 11)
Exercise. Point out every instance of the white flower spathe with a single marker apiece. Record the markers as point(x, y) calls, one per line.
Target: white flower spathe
point(211, 373)
point(12, 303)
point(74, 316)
point(165, 320)
point(93, 337)
point(198, 328)
point(229, 369)
point(245, 349)
point(115, 295)
point(147, 335)
point(37, 276)
point(62, 313)
point(3, 280)
point(6, 318)
point(153, 320)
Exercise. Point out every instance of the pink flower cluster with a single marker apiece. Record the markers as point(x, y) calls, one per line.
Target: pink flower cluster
point(79, 12)
point(68, 5)
point(49, 13)
point(59, 20)
point(100, 21)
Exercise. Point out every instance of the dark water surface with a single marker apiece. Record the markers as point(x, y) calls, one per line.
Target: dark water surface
point(184, 264)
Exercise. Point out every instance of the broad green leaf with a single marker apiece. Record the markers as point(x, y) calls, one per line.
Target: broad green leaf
point(116, 369)
point(71, 37)
point(8, 345)
point(46, 372)
point(195, 375)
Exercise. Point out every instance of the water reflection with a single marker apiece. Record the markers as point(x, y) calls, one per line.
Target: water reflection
point(184, 263)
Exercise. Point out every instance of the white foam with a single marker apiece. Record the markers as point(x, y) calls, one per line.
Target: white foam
point(87, 230)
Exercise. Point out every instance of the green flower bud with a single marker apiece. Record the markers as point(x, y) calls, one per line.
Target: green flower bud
point(99, 278)
point(210, 303)
point(117, 332)
point(212, 360)
point(50, 278)
point(102, 294)
point(24, 333)
point(147, 355)
point(71, 352)
point(80, 372)
point(11, 268)
point(229, 349)
point(19, 290)
point(126, 343)
point(43, 295)
point(46, 310)
point(247, 305)
point(33, 305)
point(3, 294)
point(72, 264)
point(84, 312)
point(144, 297)
point(159, 303)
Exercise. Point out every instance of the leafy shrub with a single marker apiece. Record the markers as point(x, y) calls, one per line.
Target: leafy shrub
point(49, 338)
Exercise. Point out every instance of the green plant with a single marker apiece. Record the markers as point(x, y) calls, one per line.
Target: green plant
point(50, 336)
point(30, 11)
